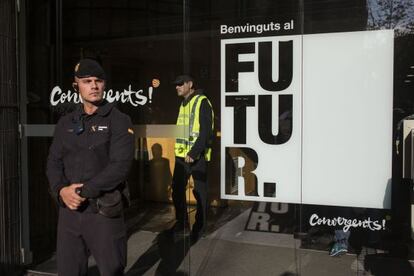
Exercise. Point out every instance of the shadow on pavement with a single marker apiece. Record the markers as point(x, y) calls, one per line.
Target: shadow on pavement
point(383, 265)
point(167, 248)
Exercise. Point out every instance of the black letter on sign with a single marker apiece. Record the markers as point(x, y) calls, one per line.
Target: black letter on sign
point(234, 170)
point(285, 65)
point(233, 66)
point(240, 103)
point(265, 119)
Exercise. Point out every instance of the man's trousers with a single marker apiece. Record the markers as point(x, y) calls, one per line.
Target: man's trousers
point(182, 172)
point(81, 234)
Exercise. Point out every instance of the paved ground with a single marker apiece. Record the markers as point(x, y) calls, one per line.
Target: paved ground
point(228, 249)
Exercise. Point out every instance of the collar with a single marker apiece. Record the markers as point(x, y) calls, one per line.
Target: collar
point(103, 109)
point(195, 93)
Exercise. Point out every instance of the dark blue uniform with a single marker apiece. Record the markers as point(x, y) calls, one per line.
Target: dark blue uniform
point(96, 150)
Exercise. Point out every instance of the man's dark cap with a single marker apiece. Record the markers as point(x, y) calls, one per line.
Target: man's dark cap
point(182, 79)
point(89, 68)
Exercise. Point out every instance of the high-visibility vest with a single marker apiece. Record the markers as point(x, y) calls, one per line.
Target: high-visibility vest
point(189, 117)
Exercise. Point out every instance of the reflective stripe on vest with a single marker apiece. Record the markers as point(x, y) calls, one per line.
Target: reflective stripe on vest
point(189, 117)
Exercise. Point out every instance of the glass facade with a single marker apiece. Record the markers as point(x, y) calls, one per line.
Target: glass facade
point(312, 146)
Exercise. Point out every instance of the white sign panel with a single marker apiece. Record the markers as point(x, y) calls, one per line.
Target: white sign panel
point(320, 134)
point(347, 118)
point(261, 111)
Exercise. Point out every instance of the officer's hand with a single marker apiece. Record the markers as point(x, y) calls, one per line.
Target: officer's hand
point(188, 159)
point(70, 197)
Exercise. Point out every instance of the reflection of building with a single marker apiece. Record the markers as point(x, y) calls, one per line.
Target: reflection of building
point(137, 41)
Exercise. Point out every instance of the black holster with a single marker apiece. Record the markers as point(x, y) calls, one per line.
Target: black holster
point(111, 204)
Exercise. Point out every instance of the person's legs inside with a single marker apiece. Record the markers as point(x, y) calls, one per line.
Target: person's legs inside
point(179, 184)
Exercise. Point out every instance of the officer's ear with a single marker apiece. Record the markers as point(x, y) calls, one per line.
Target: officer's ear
point(190, 83)
point(75, 86)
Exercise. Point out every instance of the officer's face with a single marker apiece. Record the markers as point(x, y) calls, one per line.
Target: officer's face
point(91, 89)
point(184, 89)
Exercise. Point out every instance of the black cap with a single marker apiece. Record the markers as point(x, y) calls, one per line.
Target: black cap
point(89, 68)
point(182, 79)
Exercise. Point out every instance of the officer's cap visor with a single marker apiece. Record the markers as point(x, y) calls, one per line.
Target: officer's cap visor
point(180, 80)
point(89, 68)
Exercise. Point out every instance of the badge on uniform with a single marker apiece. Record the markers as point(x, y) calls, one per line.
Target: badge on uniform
point(102, 128)
point(96, 128)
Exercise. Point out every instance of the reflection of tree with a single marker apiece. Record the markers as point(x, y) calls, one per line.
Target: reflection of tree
point(391, 14)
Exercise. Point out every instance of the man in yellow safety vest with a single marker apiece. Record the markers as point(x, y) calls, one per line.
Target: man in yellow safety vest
point(192, 153)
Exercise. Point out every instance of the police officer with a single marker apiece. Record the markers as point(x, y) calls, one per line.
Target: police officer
point(88, 162)
point(192, 153)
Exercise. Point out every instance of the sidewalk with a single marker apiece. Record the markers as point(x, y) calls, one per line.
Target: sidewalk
point(230, 250)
